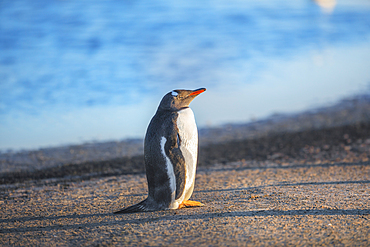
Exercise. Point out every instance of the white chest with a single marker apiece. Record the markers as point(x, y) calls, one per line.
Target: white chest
point(188, 133)
point(188, 130)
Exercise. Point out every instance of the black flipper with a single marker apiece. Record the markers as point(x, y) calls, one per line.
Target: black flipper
point(142, 206)
point(173, 152)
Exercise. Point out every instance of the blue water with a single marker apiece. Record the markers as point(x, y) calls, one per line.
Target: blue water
point(75, 71)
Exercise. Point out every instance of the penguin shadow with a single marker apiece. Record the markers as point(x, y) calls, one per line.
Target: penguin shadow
point(168, 215)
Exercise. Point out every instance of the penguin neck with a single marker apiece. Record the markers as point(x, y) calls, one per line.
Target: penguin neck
point(171, 110)
point(183, 108)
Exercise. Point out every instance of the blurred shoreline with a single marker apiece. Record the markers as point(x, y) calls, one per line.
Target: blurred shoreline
point(63, 63)
point(347, 111)
point(330, 129)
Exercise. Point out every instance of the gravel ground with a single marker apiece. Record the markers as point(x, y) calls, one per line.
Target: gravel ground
point(313, 192)
point(304, 186)
point(324, 204)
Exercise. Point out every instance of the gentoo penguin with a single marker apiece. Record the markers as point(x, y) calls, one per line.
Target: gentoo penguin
point(170, 154)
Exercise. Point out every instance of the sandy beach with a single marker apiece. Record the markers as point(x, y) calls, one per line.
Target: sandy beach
point(308, 187)
point(300, 205)
point(283, 122)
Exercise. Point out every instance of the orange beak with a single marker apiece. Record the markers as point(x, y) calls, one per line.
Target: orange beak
point(197, 91)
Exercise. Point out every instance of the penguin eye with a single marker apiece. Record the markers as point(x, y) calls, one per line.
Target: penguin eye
point(174, 93)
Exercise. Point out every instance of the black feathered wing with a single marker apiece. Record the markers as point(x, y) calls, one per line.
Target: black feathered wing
point(160, 198)
point(173, 152)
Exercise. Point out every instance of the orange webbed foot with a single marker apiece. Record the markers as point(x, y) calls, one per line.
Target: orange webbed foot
point(188, 204)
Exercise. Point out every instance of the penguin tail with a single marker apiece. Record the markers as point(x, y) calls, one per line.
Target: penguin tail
point(140, 207)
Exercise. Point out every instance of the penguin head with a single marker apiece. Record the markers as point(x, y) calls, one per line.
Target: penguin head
point(179, 99)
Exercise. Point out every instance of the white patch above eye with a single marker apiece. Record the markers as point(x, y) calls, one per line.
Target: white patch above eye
point(174, 93)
